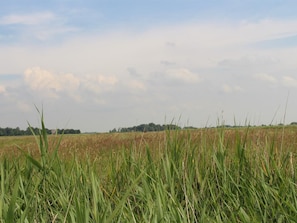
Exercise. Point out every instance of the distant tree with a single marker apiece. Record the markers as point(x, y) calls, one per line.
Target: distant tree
point(17, 131)
point(147, 128)
point(30, 130)
point(171, 127)
point(189, 127)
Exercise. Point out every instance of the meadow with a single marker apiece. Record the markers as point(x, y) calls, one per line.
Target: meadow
point(245, 174)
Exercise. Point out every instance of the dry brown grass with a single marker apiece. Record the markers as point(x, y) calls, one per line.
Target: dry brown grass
point(96, 146)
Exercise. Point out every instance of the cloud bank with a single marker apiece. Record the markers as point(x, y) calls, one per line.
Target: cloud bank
point(121, 77)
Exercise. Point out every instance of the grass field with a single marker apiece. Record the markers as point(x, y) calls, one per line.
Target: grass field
point(204, 175)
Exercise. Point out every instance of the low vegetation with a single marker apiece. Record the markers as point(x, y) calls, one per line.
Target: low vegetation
point(203, 175)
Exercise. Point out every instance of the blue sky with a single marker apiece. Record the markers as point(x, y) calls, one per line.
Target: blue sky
point(99, 65)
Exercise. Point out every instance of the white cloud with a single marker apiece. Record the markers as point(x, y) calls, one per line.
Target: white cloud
point(39, 79)
point(99, 83)
point(231, 89)
point(49, 83)
point(201, 45)
point(40, 26)
point(247, 32)
point(2, 89)
point(52, 85)
point(265, 77)
point(183, 75)
point(249, 61)
point(135, 84)
point(289, 81)
point(27, 19)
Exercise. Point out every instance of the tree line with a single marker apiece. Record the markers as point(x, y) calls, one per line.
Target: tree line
point(151, 127)
point(18, 132)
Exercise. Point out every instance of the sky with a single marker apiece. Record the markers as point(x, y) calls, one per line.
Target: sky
point(96, 65)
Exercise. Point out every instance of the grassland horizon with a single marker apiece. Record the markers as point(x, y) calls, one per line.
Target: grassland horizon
point(245, 174)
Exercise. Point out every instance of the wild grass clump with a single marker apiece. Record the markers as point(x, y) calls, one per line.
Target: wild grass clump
point(182, 180)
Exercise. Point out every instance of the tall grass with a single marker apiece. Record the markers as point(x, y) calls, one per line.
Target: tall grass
point(214, 179)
